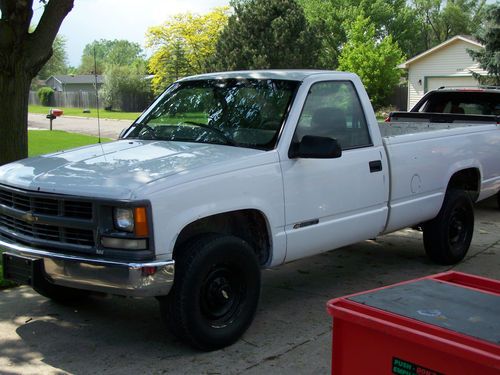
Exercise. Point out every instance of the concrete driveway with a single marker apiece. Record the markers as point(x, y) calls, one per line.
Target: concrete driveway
point(83, 125)
point(290, 335)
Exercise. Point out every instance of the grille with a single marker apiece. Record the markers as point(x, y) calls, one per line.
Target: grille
point(74, 236)
point(46, 206)
point(62, 228)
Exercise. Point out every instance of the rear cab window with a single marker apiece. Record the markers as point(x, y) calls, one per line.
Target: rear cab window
point(466, 102)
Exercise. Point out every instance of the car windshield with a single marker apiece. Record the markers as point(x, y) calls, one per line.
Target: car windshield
point(235, 112)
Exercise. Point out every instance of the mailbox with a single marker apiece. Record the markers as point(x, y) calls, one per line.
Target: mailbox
point(56, 112)
point(53, 114)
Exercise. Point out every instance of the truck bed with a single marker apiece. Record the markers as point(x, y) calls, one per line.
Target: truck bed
point(391, 129)
point(424, 156)
point(441, 117)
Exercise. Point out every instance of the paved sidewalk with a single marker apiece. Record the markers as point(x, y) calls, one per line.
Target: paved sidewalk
point(290, 335)
point(83, 125)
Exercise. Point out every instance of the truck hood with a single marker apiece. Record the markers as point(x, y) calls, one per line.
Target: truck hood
point(116, 169)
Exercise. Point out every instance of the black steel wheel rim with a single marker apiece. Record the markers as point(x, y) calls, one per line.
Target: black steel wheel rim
point(458, 228)
point(222, 294)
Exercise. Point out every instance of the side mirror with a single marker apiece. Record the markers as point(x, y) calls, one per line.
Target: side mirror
point(313, 147)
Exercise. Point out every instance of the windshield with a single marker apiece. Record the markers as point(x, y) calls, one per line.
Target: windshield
point(235, 112)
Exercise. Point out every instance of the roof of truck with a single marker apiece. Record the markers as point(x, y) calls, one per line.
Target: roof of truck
point(465, 89)
point(288, 74)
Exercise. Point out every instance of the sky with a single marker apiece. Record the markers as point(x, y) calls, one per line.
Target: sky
point(119, 19)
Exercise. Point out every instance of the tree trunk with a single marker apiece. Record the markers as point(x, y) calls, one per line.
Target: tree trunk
point(22, 55)
point(14, 95)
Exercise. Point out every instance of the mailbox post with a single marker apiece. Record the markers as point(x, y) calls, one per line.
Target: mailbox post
point(53, 114)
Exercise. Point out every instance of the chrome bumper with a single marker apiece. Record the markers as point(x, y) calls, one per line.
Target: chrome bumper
point(135, 279)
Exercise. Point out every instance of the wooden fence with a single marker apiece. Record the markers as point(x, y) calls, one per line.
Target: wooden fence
point(87, 99)
point(399, 98)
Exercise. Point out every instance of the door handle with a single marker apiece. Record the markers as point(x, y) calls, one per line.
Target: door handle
point(375, 166)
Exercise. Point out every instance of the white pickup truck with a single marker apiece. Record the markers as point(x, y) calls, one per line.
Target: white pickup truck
point(229, 173)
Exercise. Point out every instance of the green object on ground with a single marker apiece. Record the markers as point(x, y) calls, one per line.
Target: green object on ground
point(93, 112)
point(45, 142)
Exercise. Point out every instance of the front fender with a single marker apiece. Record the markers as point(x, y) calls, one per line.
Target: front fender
point(259, 188)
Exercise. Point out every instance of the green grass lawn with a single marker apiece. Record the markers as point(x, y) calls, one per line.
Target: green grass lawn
point(44, 142)
point(93, 112)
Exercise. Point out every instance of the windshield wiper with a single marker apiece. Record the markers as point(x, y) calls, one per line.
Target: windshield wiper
point(219, 132)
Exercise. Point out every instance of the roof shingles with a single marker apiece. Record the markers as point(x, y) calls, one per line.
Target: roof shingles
point(78, 79)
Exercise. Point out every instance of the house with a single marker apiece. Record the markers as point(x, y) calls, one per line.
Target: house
point(74, 83)
point(447, 64)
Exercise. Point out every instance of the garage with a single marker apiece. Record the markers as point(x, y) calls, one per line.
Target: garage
point(437, 82)
point(447, 64)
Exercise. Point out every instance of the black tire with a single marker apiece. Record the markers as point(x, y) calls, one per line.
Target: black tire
point(60, 294)
point(215, 294)
point(498, 199)
point(447, 237)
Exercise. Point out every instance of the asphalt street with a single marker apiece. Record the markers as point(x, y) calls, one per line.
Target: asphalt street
point(83, 125)
point(291, 333)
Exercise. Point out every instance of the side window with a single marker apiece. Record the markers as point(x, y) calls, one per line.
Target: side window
point(332, 109)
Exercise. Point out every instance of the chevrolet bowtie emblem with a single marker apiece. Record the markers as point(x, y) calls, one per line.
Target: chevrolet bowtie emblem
point(29, 217)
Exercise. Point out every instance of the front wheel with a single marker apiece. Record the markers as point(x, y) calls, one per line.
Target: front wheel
point(215, 294)
point(447, 237)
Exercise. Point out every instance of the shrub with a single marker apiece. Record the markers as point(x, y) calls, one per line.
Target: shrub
point(45, 95)
point(125, 88)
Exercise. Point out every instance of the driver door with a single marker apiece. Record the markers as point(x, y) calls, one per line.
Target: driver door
point(330, 203)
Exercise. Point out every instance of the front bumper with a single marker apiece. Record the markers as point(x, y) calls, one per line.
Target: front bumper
point(137, 279)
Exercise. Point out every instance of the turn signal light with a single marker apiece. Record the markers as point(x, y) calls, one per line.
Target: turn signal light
point(141, 222)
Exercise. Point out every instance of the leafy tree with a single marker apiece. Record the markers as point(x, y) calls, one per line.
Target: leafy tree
point(374, 60)
point(22, 55)
point(72, 70)
point(109, 52)
point(443, 19)
point(264, 34)
point(390, 17)
point(45, 95)
point(58, 63)
point(415, 25)
point(125, 87)
point(489, 57)
point(394, 18)
point(183, 45)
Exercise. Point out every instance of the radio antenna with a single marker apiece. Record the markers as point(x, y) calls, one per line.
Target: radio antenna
point(97, 98)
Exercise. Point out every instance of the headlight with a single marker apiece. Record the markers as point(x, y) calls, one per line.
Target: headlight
point(124, 219)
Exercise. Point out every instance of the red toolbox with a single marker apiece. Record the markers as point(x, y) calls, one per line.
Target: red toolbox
point(442, 324)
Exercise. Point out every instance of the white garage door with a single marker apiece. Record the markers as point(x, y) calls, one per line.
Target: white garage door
point(435, 82)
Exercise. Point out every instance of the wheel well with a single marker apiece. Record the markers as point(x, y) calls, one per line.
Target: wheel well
point(467, 180)
point(249, 225)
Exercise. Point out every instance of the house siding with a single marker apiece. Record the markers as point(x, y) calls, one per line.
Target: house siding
point(54, 84)
point(447, 62)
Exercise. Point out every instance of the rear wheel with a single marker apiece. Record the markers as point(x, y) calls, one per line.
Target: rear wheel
point(498, 199)
point(215, 294)
point(447, 237)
